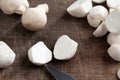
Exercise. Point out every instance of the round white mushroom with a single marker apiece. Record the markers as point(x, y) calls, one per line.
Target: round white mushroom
point(114, 52)
point(39, 54)
point(80, 8)
point(14, 6)
point(112, 21)
point(97, 14)
point(34, 19)
point(113, 38)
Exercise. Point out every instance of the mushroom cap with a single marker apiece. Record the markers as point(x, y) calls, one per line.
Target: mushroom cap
point(112, 21)
point(113, 38)
point(34, 19)
point(98, 12)
point(96, 15)
point(114, 52)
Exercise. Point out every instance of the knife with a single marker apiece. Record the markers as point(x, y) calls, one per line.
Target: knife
point(58, 74)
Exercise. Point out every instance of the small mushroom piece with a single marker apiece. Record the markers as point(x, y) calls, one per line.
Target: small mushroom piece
point(100, 31)
point(98, 1)
point(113, 38)
point(118, 73)
point(65, 48)
point(14, 6)
point(114, 52)
point(98, 14)
point(80, 8)
point(7, 56)
point(34, 19)
point(112, 21)
point(113, 3)
point(39, 54)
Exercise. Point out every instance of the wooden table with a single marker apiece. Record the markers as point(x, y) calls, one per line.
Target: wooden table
point(91, 61)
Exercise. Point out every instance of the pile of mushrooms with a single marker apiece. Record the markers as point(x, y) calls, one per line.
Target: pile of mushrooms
point(34, 19)
point(65, 48)
point(103, 19)
point(98, 17)
point(29, 21)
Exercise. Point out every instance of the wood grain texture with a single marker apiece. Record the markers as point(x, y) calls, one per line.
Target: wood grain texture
point(91, 61)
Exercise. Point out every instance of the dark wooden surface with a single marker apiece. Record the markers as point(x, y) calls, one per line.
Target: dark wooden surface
point(91, 61)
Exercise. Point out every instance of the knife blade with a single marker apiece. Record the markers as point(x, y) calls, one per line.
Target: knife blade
point(58, 74)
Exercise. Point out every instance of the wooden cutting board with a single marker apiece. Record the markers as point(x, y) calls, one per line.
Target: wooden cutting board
point(91, 61)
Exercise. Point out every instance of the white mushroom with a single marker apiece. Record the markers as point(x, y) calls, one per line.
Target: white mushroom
point(98, 1)
point(35, 19)
point(65, 48)
point(14, 6)
point(118, 73)
point(7, 56)
point(39, 54)
point(80, 8)
point(97, 14)
point(113, 3)
point(100, 31)
point(113, 38)
point(114, 52)
point(112, 21)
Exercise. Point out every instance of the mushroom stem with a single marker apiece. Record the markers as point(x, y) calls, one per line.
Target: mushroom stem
point(20, 10)
point(43, 7)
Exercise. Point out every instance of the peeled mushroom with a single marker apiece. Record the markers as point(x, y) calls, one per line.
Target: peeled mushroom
point(65, 48)
point(39, 54)
point(96, 15)
point(112, 21)
point(113, 3)
point(98, 1)
point(100, 31)
point(14, 6)
point(114, 52)
point(34, 19)
point(7, 56)
point(80, 8)
point(113, 38)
